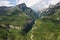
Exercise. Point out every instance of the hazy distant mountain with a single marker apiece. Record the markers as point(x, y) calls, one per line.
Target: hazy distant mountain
point(3, 10)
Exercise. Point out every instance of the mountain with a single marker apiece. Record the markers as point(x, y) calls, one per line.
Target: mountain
point(16, 15)
point(3, 10)
point(51, 10)
point(48, 27)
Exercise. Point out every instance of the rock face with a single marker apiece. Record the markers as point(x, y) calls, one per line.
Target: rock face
point(51, 10)
point(28, 26)
point(22, 6)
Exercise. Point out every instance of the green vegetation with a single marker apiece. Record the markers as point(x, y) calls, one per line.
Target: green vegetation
point(17, 20)
point(44, 28)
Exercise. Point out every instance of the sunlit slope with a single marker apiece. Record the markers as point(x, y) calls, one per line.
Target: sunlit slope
point(17, 20)
point(47, 28)
point(56, 15)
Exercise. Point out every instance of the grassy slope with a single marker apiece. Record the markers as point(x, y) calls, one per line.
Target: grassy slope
point(47, 29)
point(16, 18)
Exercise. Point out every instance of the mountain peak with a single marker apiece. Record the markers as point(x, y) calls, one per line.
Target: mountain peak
point(22, 5)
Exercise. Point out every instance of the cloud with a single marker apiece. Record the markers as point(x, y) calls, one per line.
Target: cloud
point(46, 3)
point(28, 2)
point(53, 2)
point(5, 3)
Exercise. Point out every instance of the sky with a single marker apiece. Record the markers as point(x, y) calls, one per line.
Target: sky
point(29, 3)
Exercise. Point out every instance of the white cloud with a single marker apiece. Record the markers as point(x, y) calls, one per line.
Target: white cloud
point(28, 2)
point(33, 2)
point(44, 4)
point(5, 3)
point(53, 2)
